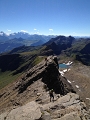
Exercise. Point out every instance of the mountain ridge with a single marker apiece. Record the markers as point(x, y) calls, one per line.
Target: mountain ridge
point(32, 89)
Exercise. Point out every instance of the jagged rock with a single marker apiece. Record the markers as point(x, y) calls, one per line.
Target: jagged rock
point(3, 116)
point(70, 116)
point(30, 111)
point(68, 107)
point(45, 116)
point(49, 74)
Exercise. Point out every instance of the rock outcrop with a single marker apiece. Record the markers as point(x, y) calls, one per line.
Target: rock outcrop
point(68, 107)
point(28, 98)
point(30, 111)
point(49, 73)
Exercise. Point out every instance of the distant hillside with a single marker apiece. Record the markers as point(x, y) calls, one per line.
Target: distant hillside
point(8, 45)
point(13, 65)
point(80, 50)
point(40, 42)
point(23, 49)
point(59, 43)
point(86, 49)
point(61, 40)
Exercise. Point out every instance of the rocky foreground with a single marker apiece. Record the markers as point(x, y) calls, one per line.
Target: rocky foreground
point(28, 98)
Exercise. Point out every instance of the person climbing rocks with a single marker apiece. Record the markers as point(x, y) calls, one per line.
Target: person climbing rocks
point(45, 61)
point(51, 95)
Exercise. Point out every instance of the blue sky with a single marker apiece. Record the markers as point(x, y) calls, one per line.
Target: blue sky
point(48, 17)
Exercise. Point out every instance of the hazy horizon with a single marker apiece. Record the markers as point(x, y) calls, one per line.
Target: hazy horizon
point(43, 34)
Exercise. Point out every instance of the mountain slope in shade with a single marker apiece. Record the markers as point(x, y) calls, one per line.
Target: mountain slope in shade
point(37, 43)
point(80, 50)
point(59, 43)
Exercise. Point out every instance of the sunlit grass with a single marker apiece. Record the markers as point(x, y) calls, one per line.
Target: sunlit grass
point(38, 60)
point(33, 52)
point(7, 77)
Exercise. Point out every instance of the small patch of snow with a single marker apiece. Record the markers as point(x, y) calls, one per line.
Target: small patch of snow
point(69, 63)
point(61, 72)
point(69, 69)
point(73, 81)
point(69, 81)
point(88, 98)
point(65, 70)
point(77, 86)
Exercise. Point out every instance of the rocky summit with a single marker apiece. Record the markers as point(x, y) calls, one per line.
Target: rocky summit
point(28, 97)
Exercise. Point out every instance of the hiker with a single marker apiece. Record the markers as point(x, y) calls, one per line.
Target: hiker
point(51, 95)
point(45, 61)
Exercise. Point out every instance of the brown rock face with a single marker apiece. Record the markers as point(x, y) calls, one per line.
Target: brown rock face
point(51, 76)
point(32, 82)
point(48, 72)
point(68, 107)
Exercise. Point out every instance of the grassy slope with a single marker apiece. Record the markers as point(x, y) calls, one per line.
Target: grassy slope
point(10, 76)
point(7, 77)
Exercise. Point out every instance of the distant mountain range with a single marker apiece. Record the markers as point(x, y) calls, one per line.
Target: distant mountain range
point(8, 42)
point(77, 48)
point(24, 35)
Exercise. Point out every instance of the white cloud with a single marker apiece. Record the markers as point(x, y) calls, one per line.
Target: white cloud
point(38, 32)
point(35, 29)
point(74, 33)
point(8, 30)
point(24, 31)
point(50, 29)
